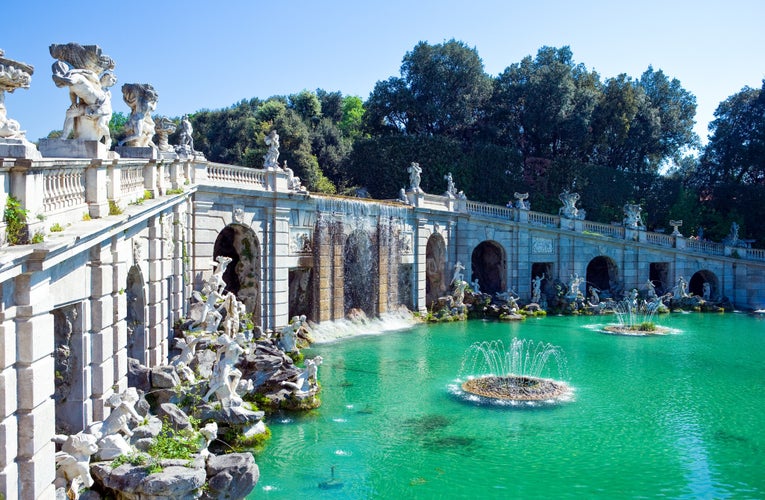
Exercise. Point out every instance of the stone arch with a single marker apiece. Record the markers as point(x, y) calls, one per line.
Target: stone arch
point(603, 274)
point(435, 269)
point(696, 285)
point(242, 276)
point(489, 267)
point(360, 271)
point(136, 315)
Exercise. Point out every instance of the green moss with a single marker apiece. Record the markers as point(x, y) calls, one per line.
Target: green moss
point(16, 222)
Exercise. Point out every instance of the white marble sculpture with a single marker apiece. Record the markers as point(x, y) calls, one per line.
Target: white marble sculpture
point(569, 210)
point(536, 288)
point(594, 296)
point(458, 276)
point(272, 155)
point(225, 378)
point(521, 202)
point(307, 380)
point(163, 127)
point(732, 239)
point(651, 290)
point(185, 140)
point(216, 281)
point(232, 307)
point(706, 292)
point(188, 348)
point(680, 290)
point(293, 181)
point(676, 224)
point(88, 75)
point(289, 334)
point(209, 433)
point(459, 292)
point(632, 218)
point(13, 75)
point(73, 461)
point(122, 415)
point(141, 98)
point(414, 177)
point(402, 197)
point(475, 286)
point(574, 286)
point(451, 191)
point(209, 317)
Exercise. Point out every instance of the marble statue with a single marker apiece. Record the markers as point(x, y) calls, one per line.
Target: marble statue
point(574, 284)
point(88, 75)
point(289, 334)
point(569, 210)
point(474, 285)
point(216, 281)
point(308, 378)
point(680, 291)
point(521, 202)
point(13, 75)
point(458, 276)
point(123, 413)
point(141, 98)
point(451, 191)
point(73, 461)
point(225, 378)
point(706, 291)
point(185, 139)
point(632, 219)
point(459, 292)
point(293, 181)
point(675, 225)
point(651, 289)
point(414, 177)
point(210, 317)
point(232, 307)
point(272, 156)
point(732, 239)
point(594, 296)
point(187, 348)
point(163, 127)
point(536, 289)
point(209, 433)
point(402, 197)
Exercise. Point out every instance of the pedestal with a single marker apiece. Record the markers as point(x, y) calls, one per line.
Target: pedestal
point(75, 148)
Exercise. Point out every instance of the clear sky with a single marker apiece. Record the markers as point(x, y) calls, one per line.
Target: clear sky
point(211, 54)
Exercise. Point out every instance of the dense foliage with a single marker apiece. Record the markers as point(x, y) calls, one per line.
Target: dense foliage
point(544, 124)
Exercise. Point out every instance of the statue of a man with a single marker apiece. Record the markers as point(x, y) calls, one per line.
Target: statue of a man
point(142, 100)
point(272, 156)
point(414, 177)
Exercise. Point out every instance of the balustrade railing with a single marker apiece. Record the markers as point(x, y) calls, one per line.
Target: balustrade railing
point(63, 188)
point(603, 229)
point(488, 210)
point(131, 182)
point(755, 253)
point(709, 247)
point(239, 175)
point(664, 240)
point(542, 219)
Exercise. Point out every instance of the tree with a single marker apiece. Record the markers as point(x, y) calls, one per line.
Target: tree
point(307, 106)
point(736, 149)
point(442, 91)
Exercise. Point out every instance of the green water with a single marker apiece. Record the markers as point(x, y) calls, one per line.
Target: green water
point(675, 416)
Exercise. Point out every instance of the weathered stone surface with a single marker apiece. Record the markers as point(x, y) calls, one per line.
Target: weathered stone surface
point(135, 483)
point(231, 476)
point(138, 375)
point(149, 430)
point(203, 362)
point(164, 377)
point(174, 416)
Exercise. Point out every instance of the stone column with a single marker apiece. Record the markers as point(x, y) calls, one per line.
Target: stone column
point(323, 254)
point(276, 279)
point(9, 439)
point(36, 410)
point(121, 250)
point(156, 296)
point(338, 268)
point(420, 270)
point(384, 241)
point(96, 189)
point(101, 328)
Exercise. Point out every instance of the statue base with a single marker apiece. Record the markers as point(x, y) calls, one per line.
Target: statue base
point(18, 148)
point(75, 148)
point(142, 152)
point(167, 155)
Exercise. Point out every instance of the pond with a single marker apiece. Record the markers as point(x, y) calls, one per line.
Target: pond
point(678, 415)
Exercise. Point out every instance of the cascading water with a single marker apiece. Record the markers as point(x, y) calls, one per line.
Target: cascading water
point(495, 373)
point(360, 272)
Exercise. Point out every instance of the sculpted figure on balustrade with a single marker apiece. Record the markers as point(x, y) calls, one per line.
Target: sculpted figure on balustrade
point(87, 73)
point(141, 98)
point(13, 143)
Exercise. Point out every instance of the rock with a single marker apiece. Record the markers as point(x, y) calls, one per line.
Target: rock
point(164, 377)
point(203, 362)
point(112, 446)
point(231, 476)
point(174, 416)
point(151, 429)
point(138, 375)
point(135, 483)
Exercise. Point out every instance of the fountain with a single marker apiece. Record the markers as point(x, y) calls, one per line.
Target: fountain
point(635, 316)
point(498, 374)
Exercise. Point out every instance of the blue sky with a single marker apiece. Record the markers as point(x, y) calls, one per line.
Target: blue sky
point(208, 55)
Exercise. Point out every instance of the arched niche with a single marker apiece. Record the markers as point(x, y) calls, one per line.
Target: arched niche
point(696, 285)
point(603, 274)
point(243, 275)
point(435, 269)
point(136, 315)
point(489, 267)
point(360, 271)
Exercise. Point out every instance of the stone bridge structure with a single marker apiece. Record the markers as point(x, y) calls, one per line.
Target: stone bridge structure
point(126, 241)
